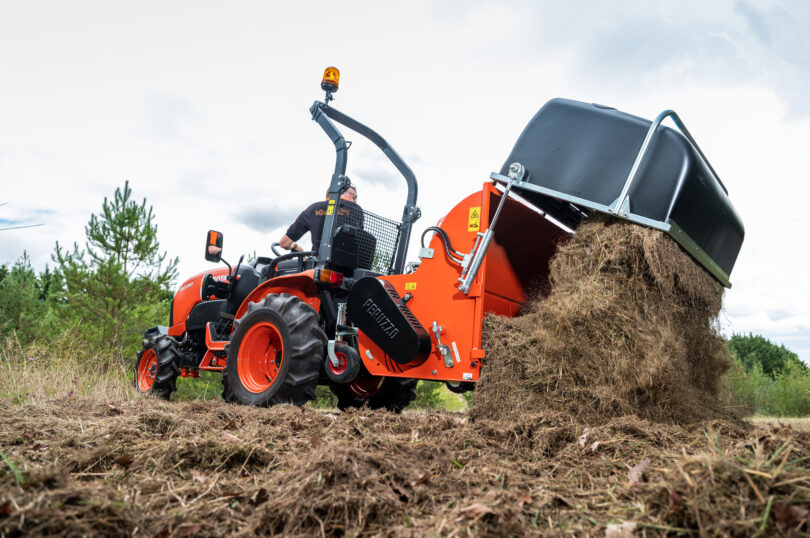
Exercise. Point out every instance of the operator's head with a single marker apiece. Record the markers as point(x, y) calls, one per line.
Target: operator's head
point(350, 193)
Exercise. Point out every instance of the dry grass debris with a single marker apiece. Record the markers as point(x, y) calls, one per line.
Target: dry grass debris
point(629, 328)
point(62, 368)
point(208, 468)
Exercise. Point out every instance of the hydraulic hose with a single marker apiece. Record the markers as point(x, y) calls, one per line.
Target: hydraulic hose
point(452, 253)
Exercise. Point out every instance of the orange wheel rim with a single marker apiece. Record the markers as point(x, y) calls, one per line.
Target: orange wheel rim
point(260, 355)
point(147, 370)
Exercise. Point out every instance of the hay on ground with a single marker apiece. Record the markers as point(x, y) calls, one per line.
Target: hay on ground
point(150, 468)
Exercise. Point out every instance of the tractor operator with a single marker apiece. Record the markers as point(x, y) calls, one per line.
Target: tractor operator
point(312, 218)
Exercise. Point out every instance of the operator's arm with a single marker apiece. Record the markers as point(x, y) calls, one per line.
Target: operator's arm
point(296, 230)
point(287, 243)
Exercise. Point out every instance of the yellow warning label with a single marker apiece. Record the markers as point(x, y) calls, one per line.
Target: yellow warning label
point(474, 222)
point(330, 209)
point(410, 286)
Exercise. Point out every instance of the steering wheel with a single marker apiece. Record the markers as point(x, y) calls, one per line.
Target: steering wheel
point(273, 248)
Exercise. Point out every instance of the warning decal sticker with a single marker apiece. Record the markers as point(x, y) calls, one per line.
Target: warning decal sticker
point(474, 222)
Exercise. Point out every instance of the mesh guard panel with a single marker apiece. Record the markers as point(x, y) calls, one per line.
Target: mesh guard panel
point(377, 247)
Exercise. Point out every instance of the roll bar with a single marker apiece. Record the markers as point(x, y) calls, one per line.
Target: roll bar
point(322, 113)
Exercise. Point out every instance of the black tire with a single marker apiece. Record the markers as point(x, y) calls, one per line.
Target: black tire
point(227, 394)
point(158, 373)
point(395, 394)
point(299, 345)
point(460, 388)
point(349, 364)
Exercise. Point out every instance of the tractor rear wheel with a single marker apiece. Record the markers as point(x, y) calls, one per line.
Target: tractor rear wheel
point(391, 393)
point(156, 367)
point(227, 395)
point(275, 353)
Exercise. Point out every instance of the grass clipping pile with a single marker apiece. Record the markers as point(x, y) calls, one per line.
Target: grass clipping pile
point(629, 328)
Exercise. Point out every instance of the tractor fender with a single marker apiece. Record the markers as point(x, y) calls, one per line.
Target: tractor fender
point(301, 285)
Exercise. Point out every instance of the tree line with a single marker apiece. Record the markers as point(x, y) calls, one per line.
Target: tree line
point(766, 379)
point(106, 292)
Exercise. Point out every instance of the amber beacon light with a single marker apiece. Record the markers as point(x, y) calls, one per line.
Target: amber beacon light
point(331, 77)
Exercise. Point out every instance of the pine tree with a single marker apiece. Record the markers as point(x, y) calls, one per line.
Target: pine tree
point(119, 283)
point(21, 303)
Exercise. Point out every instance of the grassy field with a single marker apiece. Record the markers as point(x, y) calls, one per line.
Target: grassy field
point(798, 423)
point(36, 373)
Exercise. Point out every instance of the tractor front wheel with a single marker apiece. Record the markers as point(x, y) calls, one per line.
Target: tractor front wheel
point(275, 354)
point(156, 367)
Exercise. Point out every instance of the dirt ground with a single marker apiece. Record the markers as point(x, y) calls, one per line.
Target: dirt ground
point(152, 468)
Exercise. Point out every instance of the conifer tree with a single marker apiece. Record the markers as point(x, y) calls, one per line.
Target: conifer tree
point(119, 283)
point(22, 304)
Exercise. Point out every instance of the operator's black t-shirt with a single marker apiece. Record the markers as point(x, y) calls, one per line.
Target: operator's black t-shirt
point(312, 218)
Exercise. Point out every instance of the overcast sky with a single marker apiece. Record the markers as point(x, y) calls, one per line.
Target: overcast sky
point(203, 107)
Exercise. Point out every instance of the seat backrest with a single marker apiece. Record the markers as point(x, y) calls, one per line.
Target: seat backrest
point(353, 248)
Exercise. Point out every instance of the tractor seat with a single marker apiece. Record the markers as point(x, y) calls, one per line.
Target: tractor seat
point(353, 248)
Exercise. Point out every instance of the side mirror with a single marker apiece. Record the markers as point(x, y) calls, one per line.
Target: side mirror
point(213, 246)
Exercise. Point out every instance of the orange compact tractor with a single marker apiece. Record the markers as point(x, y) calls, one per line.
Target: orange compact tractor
point(356, 317)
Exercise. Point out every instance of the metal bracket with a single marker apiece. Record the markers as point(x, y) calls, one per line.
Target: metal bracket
point(425, 253)
point(341, 327)
point(411, 214)
point(482, 241)
point(341, 330)
point(330, 349)
point(624, 210)
point(447, 354)
point(465, 261)
point(343, 181)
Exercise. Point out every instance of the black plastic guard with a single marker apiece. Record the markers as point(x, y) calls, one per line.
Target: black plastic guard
point(578, 157)
point(374, 307)
point(204, 312)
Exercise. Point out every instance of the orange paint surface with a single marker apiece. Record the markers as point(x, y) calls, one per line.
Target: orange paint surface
point(187, 296)
point(517, 260)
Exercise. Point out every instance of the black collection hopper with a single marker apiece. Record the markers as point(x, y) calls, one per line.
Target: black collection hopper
point(582, 157)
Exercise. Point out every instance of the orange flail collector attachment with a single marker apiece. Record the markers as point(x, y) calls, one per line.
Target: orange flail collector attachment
point(515, 265)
